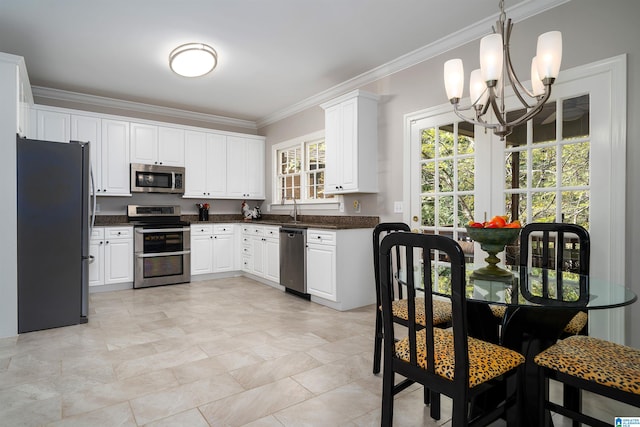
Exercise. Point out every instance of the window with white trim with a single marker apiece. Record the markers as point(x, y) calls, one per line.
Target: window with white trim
point(300, 170)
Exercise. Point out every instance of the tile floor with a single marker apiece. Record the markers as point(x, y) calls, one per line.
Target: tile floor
point(226, 352)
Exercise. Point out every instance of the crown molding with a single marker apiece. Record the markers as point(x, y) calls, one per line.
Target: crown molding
point(101, 101)
point(473, 32)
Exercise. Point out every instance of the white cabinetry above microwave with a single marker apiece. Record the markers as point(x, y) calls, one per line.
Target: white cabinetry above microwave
point(157, 145)
point(351, 143)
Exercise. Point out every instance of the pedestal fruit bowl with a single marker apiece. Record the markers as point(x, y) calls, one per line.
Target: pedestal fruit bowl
point(493, 241)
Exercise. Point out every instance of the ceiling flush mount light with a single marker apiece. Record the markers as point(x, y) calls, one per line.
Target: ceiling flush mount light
point(193, 59)
point(487, 83)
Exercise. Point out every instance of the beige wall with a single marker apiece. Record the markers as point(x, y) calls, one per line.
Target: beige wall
point(592, 30)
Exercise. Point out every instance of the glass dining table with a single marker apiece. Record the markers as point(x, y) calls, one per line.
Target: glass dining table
point(538, 304)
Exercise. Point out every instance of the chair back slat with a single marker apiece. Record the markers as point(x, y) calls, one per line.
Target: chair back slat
point(544, 245)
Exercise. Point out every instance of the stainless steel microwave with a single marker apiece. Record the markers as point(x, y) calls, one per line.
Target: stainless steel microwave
point(157, 179)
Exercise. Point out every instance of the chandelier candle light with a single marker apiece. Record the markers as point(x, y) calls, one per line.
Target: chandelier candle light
point(486, 85)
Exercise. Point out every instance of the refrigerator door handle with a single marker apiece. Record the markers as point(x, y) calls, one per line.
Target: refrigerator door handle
point(93, 192)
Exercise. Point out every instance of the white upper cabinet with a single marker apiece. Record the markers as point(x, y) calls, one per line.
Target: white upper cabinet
point(170, 146)
point(157, 145)
point(205, 165)
point(53, 126)
point(218, 165)
point(144, 143)
point(89, 129)
point(351, 143)
point(115, 158)
point(245, 168)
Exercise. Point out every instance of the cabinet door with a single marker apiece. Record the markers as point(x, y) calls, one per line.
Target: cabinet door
point(115, 158)
point(144, 144)
point(201, 254)
point(255, 187)
point(237, 167)
point(257, 258)
point(348, 147)
point(272, 259)
point(118, 257)
point(195, 161)
point(53, 126)
point(332, 147)
point(321, 271)
point(170, 146)
point(216, 155)
point(86, 128)
point(96, 263)
point(223, 252)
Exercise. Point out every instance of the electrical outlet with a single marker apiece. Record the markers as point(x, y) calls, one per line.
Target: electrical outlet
point(356, 206)
point(397, 207)
point(341, 208)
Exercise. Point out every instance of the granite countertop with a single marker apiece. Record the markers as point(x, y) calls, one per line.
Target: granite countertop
point(304, 221)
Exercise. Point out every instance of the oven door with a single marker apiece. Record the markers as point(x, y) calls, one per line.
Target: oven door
point(162, 255)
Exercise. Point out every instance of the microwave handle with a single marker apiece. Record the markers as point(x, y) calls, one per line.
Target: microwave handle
point(173, 180)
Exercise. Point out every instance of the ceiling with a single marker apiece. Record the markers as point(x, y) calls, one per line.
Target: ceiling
point(275, 56)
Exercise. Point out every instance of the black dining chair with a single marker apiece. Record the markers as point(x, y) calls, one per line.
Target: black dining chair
point(441, 309)
point(587, 363)
point(444, 361)
point(561, 248)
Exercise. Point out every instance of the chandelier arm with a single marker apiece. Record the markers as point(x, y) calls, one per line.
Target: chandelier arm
point(474, 121)
point(511, 73)
point(496, 109)
point(535, 109)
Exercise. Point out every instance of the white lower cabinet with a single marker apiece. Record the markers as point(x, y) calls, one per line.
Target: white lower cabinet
point(96, 254)
point(112, 251)
point(261, 251)
point(223, 248)
point(212, 248)
point(201, 249)
point(340, 268)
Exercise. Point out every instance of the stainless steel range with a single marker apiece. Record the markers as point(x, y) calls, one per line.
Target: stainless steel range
point(161, 246)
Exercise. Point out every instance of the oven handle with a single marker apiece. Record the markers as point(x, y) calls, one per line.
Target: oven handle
point(157, 254)
point(160, 230)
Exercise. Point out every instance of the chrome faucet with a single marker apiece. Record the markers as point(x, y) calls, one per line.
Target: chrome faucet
point(294, 214)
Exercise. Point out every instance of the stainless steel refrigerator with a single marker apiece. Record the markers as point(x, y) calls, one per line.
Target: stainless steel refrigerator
point(53, 233)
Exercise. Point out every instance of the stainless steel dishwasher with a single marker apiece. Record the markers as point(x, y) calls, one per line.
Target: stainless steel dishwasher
point(293, 260)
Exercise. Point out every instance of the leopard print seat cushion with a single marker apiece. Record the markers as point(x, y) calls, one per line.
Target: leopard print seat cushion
point(592, 359)
point(441, 311)
point(575, 325)
point(486, 360)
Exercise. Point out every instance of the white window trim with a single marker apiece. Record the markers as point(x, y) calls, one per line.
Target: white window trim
point(320, 204)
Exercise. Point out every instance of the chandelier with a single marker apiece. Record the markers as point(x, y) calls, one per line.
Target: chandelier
point(487, 84)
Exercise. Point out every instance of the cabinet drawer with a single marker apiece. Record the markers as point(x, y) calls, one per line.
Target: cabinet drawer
point(223, 229)
point(322, 237)
point(272, 232)
point(256, 231)
point(118, 233)
point(97, 233)
point(201, 229)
